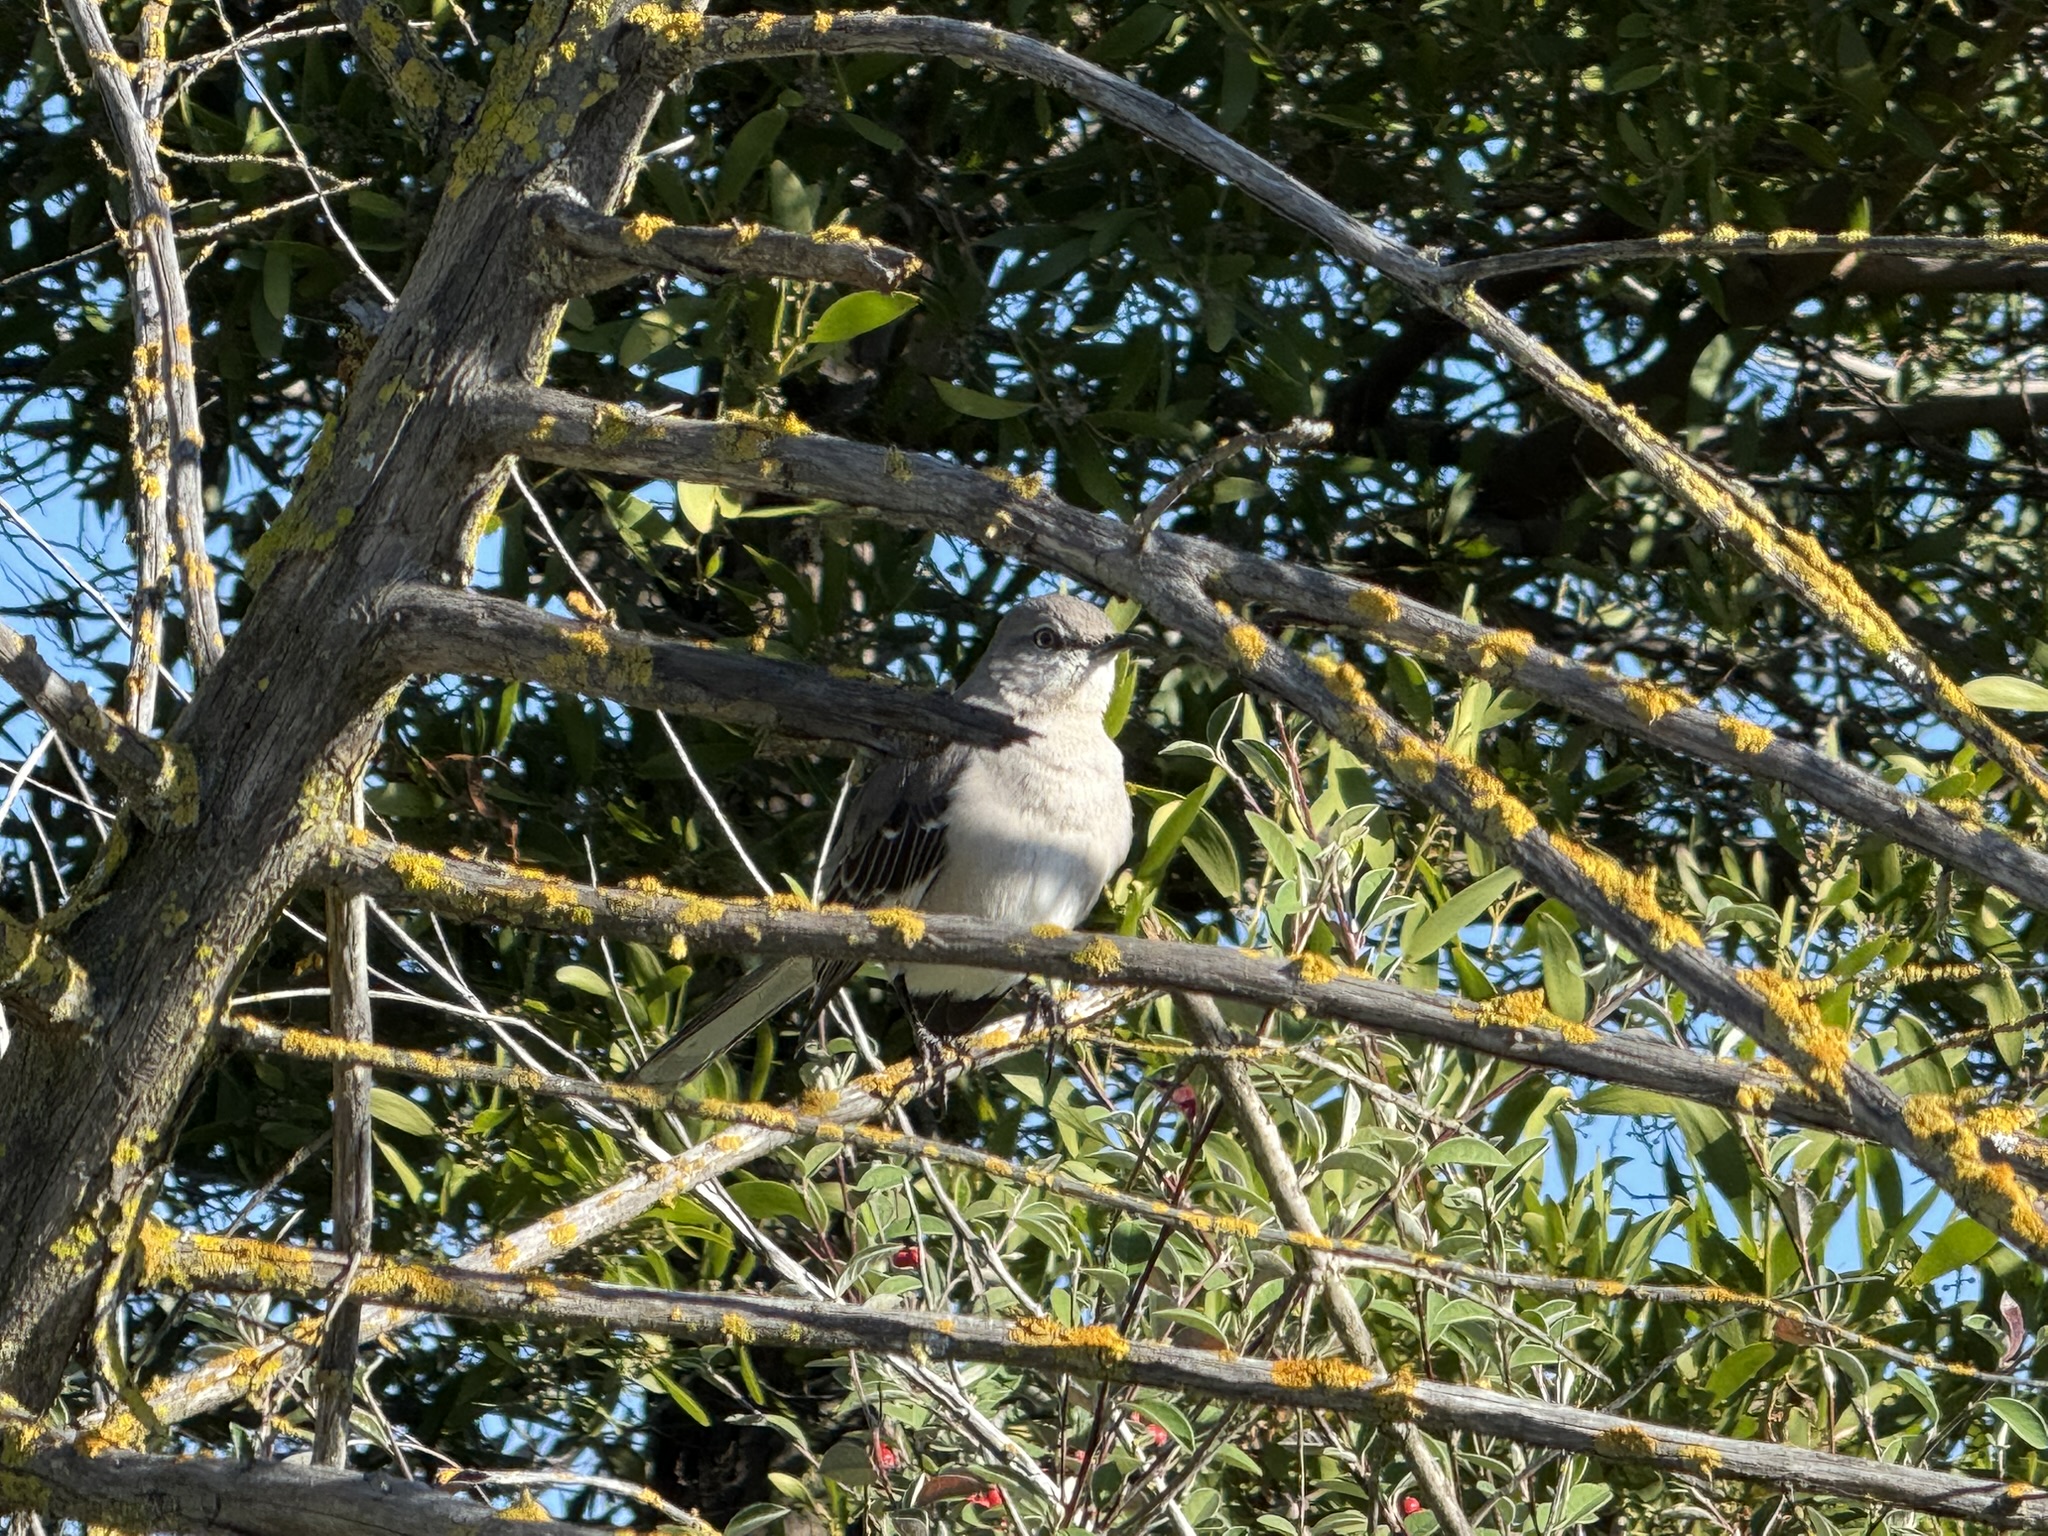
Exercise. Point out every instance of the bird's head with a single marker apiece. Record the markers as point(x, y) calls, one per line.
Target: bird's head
point(1055, 652)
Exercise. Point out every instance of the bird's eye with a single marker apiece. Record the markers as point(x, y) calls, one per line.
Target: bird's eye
point(1046, 638)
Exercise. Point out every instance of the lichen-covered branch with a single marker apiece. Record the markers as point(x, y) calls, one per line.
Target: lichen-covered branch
point(156, 780)
point(615, 250)
point(223, 1379)
point(822, 1119)
point(1096, 1352)
point(1656, 713)
point(1791, 558)
point(1175, 577)
point(2005, 254)
point(434, 101)
point(170, 372)
point(429, 629)
point(226, 1496)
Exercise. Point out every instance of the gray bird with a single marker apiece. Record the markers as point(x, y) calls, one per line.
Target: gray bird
point(1023, 834)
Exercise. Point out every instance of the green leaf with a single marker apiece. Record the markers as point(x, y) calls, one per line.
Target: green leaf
point(755, 1517)
point(1215, 855)
point(1635, 79)
point(2006, 693)
point(400, 1113)
point(583, 979)
point(277, 280)
point(1961, 1242)
point(414, 1190)
point(857, 314)
point(1455, 915)
point(1468, 1150)
point(743, 156)
point(1166, 840)
point(2023, 1419)
point(1583, 1502)
point(972, 402)
point(1738, 1369)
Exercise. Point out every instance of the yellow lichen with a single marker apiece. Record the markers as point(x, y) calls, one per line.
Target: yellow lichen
point(643, 227)
point(1098, 1339)
point(1748, 736)
point(788, 901)
point(1625, 1442)
point(818, 1101)
point(1100, 955)
point(1376, 605)
point(736, 1328)
point(1813, 1047)
point(1247, 643)
point(418, 871)
point(1790, 239)
point(1048, 931)
point(1306, 1374)
point(1317, 970)
point(525, 1508)
point(1752, 1099)
point(907, 925)
point(1703, 1459)
point(609, 426)
point(671, 26)
point(1651, 702)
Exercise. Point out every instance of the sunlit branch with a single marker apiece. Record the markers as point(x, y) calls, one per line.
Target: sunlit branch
point(428, 629)
point(155, 780)
point(619, 249)
point(1653, 712)
point(171, 371)
point(2007, 251)
point(1793, 559)
point(431, 97)
point(1095, 1352)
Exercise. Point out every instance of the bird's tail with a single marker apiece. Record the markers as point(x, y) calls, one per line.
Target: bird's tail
point(734, 1013)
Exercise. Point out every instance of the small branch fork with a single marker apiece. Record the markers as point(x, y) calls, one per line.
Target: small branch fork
point(1099, 1352)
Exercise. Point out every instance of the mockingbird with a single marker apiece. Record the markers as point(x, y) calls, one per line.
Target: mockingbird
point(1022, 834)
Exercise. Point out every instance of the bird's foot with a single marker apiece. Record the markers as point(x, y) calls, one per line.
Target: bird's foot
point(937, 1060)
point(1043, 1010)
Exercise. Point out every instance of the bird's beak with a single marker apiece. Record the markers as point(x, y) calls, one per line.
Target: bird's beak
point(1128, 641)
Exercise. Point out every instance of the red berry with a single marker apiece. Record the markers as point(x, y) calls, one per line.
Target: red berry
point(886, 1459)
point(1183, 1099)
point(1156, 1431)
point(909, 1256)
point(988, 1498)
point(1410, 1505)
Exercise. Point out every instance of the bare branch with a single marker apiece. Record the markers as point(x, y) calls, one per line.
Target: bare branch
point(2009, 255)
point(149, 199)
point(1792, 559)
point(220, 1381)
point(429, 629)
point(2016, 411)
point(1097, 1352)
point(158, 781)
point(1653, 712)
point(354, 1206)
point(207, 1496)
point(617, 250)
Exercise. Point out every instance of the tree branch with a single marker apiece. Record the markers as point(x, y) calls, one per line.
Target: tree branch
point(149, 210)
point(1312, 1249)
point(430, 96)
point(1656, 713)
point(1097, 1352)
point(452, 1071)
point(222, 1380)
point(157, 781)
point(616, 250)
point(429, 629)
point(2008, 255)
point(2016, 411)
point(219, 1496)
point(1794, 560)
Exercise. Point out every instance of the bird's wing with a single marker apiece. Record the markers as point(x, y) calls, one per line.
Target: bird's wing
point(895, 838)
point(893, 844)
